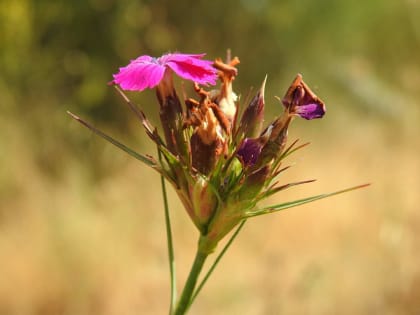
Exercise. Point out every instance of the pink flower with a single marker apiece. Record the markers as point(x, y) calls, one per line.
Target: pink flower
point(147, 72)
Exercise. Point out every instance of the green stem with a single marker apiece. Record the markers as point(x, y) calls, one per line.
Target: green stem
point(184, 301)
point(216, 261)
point(171, 255)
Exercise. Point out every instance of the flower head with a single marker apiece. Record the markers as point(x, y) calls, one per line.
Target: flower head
point(219, 161)
point(147, 72)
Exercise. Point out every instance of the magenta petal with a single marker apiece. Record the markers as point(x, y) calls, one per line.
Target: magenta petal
point(147, 72)
point(310, 111)
point(141, 73)
point(191, 67)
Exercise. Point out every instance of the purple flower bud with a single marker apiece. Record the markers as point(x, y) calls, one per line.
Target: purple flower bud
point(249, 151)
point(253, 116)
point(300, 100)
point(170, 114)
point(274, 138)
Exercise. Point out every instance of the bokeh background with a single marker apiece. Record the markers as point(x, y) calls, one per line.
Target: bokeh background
point(81, 223)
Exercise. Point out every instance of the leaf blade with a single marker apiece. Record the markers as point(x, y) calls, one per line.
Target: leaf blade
point(295, 203)
point(149, 161)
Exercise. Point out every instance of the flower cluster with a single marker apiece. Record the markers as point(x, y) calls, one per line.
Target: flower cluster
point(220, 163)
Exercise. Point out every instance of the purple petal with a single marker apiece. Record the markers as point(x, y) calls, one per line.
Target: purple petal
point(191, 67)
point(310, 111)
point(141, 73)
point(300, 100)
point(249, 151)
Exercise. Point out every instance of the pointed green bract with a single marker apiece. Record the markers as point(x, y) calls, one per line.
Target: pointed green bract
point(295, 203)
point(149, 161)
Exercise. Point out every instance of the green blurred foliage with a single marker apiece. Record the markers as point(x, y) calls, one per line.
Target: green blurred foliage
point(59, 55)
point(62, 53)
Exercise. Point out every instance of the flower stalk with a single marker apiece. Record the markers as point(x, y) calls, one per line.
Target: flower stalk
point(171, 255)
point(187, 293)
point(217, 260)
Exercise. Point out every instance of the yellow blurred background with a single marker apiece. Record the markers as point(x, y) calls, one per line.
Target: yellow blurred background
point(81, 223)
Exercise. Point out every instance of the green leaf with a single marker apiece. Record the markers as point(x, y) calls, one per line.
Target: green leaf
point(291, 149)
point(169, 239)
point(173, 164)
point(274, 190)
point(295, 203)
point(150, 130)
point(148, 160)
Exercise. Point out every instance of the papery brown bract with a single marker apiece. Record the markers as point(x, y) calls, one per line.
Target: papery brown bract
point(226, 97)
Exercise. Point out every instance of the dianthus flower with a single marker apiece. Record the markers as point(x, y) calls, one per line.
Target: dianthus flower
point(220, 163)
point(147, 72)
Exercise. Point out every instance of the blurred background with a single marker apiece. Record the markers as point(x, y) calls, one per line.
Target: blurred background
point(81, 223)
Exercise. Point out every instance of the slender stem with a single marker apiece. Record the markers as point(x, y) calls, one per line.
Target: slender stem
point(171, 255)
point(184, 301)
point(216, 261)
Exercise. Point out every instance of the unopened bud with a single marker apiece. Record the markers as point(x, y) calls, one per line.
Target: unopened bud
point(276, 135)
point(170, 113)
point(301, 101)
point(254, 182)
point(204, 200)
point(253, 116)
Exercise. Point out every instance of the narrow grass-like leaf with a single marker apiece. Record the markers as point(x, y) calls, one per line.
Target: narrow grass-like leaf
point(273, 190)
point(150, 130)
point(290, 147)
point(171, 255)
point(280, 170)
point(148, 160)
point(291, 150)
point(291, 204)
